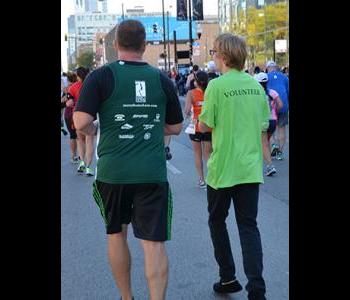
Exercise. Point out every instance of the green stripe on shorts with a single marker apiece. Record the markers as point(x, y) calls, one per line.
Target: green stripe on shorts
point(98, 199)
point(170, 213)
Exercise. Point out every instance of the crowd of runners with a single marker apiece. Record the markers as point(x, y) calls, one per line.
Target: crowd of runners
point(274, 81)
point(133, 109)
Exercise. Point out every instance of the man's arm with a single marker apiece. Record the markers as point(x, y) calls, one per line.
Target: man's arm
point(174, 129)
point(84, 122)
point(173, 117)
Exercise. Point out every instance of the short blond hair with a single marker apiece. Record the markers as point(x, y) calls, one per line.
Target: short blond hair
point(233, 49)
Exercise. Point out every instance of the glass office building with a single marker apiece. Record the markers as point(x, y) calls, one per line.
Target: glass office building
point(263, 23)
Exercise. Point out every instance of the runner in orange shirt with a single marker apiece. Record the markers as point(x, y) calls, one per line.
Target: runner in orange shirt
point(201, 141)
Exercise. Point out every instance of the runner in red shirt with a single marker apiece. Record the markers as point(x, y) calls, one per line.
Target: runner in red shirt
point(85, 143)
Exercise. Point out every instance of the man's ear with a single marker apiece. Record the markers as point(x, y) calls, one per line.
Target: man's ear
point(115, 44)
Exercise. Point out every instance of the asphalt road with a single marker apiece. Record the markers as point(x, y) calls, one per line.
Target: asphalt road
point(85, 272)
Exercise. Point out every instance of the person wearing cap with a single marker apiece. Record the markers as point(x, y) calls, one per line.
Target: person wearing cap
point(275, 105)
point(236, 110)
point(280, 83)
point(212, 70)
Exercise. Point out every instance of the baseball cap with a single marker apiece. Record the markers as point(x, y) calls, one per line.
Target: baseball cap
point(261, 77)
point(211, 65)
point(270, 63)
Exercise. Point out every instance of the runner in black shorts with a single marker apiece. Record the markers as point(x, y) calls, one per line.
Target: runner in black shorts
point(135, 106)
point(147, 206)
point(201, 141)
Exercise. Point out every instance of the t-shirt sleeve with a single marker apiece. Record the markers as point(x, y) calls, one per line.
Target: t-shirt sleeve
point(273, 94)
point(208, 114)
point(173, 114)
point(97, 87)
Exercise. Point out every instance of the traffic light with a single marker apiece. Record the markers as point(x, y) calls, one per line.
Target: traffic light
point(155, 28)
point(65, 37)
point(101, 41)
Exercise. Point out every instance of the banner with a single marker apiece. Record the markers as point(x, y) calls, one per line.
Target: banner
point(197, 11)
point(181, 8)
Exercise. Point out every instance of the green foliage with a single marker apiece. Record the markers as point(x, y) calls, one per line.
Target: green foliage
point(72, 67)
point(261, 27)
point(86, 59)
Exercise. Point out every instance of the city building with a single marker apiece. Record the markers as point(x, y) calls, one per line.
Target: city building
point(263, 23)
point(82, 29)
point(208, 29)
point(91, 6)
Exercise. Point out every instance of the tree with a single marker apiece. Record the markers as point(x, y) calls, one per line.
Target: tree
point(86, 59)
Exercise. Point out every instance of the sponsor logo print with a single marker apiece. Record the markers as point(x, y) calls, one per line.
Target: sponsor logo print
point(147, 136)
point(119, 118)
point(148, 126)
point(140, 89)
point(126, 126)
point(140, 116)
point(126, 136)
point(157, 119)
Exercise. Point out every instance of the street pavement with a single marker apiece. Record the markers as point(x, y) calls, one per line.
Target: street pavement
point(85, 272)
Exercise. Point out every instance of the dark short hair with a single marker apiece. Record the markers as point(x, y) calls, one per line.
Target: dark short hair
point(72, 77)
point(82, 73)
point(202, 79)
point(131, 35)
point(195, 68)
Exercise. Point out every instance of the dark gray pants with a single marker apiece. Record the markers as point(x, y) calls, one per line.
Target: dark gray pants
point(245, 201)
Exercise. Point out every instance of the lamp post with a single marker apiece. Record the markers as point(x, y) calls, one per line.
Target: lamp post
point(168, 29)
point(190, 30)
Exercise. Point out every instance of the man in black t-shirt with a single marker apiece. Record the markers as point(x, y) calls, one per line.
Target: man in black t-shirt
point(136, 105)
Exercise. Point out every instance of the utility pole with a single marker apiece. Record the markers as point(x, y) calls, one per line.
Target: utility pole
point(190, 30)
point(123, 12)
point(165, 64)
point(167, 16)
point(175, 50)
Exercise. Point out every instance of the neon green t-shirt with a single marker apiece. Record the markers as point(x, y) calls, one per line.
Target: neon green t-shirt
point(236, 107)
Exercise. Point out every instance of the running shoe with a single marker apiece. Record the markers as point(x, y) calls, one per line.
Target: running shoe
point(64, 131)
point(89, 171)
point(81, 167)
point(75, 160)
point(270, 170)
point(274, 150)
point(279, 155)
point(227, 287)
point(202, 184)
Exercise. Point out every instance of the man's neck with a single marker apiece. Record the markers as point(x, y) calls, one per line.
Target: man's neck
point(130, 56)
point(225, 69)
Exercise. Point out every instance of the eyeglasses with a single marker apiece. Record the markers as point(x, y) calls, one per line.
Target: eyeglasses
point(212, 51)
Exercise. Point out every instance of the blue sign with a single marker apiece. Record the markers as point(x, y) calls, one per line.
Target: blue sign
point(154, 28)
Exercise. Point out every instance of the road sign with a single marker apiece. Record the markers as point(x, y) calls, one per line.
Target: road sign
point(281, 46)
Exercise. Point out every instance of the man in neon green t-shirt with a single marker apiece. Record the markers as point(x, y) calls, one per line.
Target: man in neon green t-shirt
point(236, 109)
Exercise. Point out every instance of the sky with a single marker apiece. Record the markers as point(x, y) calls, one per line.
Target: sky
point(210, 7)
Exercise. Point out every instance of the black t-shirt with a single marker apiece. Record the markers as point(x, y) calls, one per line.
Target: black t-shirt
point(99, 85)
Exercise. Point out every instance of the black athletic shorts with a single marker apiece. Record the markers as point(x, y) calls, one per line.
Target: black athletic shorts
point(148, 206)
point(72, 132)
point(201, 136)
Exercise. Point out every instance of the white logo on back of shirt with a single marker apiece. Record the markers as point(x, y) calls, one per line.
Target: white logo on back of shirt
point(126, 126)
point(119, 118)
point(140, 90)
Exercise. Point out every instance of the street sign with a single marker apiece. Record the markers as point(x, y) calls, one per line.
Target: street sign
point(281, 46)
point(195, 44)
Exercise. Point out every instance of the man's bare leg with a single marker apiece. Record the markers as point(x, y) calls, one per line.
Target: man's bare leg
point(120, 261)
point(156, 268)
